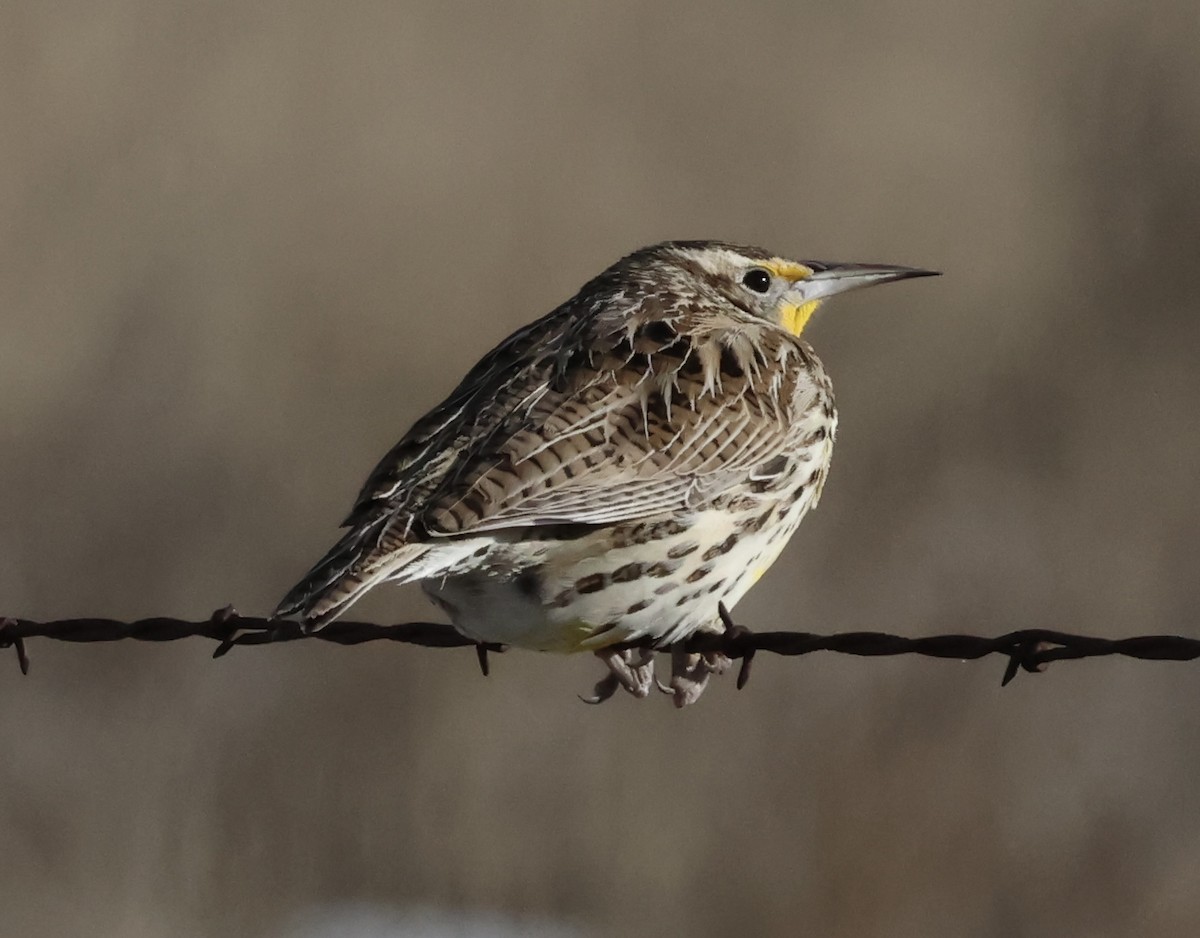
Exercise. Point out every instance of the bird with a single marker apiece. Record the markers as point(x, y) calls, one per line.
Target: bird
point(621, 470)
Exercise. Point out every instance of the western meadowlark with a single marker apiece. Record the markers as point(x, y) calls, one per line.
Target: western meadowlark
point(615, 470)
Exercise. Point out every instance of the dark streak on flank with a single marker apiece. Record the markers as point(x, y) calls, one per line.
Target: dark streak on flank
point(723, 548)
point(591, 583)
point(627, 573)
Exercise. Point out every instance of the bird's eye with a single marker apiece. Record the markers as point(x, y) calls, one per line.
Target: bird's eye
point(757, 279)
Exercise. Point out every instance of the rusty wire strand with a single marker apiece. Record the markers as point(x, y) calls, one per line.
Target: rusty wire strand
point(1026, 649)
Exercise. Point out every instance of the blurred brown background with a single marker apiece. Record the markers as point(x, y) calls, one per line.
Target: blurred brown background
point(245, 245)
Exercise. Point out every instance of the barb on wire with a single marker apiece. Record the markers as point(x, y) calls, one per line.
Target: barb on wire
point(1026, 649)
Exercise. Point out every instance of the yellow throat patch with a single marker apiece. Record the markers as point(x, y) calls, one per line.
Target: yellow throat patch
point(794, 317)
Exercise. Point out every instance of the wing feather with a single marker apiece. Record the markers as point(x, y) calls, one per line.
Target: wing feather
point(634, 429)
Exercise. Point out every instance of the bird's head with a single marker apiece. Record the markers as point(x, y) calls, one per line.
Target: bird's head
point(782, 291)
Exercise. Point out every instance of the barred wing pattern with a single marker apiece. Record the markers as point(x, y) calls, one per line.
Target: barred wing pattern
point(643, 417)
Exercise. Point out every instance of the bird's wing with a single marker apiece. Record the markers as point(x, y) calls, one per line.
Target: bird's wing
point(596, 426)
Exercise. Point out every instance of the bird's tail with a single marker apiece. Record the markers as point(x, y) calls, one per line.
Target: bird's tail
point(364, 557)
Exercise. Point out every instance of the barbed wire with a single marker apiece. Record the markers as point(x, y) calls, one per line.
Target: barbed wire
point(1026, 649)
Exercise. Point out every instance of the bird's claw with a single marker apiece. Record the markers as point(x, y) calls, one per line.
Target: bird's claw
point(633, 670)
point(605, 688)
point(630, 668)
point(690, 672)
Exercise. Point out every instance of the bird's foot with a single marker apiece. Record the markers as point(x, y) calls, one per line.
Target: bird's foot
point(690, 672)
point(629, 668)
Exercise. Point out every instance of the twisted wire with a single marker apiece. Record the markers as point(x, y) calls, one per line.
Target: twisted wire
point(1027, 650)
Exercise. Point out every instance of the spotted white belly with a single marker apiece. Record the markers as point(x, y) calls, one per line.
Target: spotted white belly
point(591, 592)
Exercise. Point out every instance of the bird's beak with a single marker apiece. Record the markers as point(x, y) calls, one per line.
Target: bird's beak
point(826, 280)
point(830, 279)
